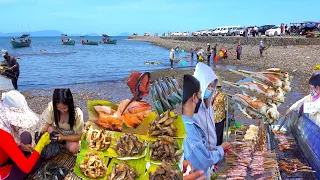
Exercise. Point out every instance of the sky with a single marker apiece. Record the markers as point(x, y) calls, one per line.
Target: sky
point(156, 16)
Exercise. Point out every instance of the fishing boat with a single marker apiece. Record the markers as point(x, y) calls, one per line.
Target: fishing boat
point(106, 40)
point(21, 41)
point(67, 41)
point(87, 42)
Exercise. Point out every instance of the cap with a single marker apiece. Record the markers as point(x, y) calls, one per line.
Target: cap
point(190, 86)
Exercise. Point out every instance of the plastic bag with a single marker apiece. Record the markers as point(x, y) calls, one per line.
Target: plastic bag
point(52, 149)
point(51, 171)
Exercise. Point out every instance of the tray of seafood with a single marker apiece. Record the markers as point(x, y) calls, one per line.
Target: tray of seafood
point(163, 171)
point(91, 165)
point(165, 149)
point(166, 125)
point(127, 146)
point(126, 170)
point(95, 138)
point(126, 117)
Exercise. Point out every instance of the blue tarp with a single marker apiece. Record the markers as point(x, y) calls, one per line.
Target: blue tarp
point(310, 25)
point(307, 134)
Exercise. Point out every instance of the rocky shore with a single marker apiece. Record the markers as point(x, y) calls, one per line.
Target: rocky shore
point(296, 59)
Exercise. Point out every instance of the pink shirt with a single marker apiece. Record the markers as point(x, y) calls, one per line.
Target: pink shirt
point(316, 98)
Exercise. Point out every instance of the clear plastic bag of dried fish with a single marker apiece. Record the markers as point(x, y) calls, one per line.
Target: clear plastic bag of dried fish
point(167, 149)
point(163, 126)
point(129, 145)
point(123, 171)
point(165, 171)
point(93, 165)
point(98, 140)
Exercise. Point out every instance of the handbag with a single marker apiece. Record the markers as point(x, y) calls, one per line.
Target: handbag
point(52, 149)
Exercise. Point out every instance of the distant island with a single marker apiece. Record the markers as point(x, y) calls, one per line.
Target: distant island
point(50, 33)
point(124, 34)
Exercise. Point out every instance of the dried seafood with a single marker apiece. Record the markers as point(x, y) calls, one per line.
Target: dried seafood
point(248, 103)
point(134, 113)
point(167, 149)
point(129, 145)
point(163, 126)
point(123, 171)
point(108, 118)
point(98, 140)
point(93, 166)
point(165, 171)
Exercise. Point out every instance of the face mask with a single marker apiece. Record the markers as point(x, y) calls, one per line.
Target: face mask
point(207, 93)
point(197, 106)
point(313, 93)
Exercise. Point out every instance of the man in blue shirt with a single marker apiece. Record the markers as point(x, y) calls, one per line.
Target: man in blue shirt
point(195, 143)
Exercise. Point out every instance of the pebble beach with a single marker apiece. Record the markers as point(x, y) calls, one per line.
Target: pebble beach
point(297, 60)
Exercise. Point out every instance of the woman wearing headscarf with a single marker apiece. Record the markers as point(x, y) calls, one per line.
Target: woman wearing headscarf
point(205, 116)
point(17, 157)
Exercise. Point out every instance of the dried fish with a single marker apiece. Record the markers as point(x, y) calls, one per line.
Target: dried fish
point(163, 126)
point(123, 171)
point(93, 166)
point(165, 171)
point(129, 145)
point(98, 140)
point(167, 149)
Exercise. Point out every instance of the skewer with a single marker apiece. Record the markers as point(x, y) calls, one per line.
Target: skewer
point(246, 75)
point(236, 154)
point(250, 92)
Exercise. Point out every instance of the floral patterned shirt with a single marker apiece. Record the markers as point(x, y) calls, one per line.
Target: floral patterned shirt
point(219, 106)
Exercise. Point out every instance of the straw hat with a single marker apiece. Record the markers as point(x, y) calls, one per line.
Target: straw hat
point(219, 84)
point(14, 110)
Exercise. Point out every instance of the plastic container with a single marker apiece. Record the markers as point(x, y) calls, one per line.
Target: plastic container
point(238, 125)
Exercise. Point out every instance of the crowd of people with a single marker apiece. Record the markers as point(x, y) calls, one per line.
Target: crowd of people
point(208, 55)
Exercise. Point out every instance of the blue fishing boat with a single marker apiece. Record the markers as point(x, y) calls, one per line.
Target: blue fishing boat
point(21, 41)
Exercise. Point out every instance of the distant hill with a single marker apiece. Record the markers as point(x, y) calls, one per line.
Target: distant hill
point(34, 34)
point(93, 34)
point(124, 34)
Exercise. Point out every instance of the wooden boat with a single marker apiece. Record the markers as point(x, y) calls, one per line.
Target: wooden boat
point(21, 41)
point(87, 42)
point(106, 40)
point(66, 41)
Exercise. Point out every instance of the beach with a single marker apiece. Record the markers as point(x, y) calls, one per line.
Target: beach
point(297, 60)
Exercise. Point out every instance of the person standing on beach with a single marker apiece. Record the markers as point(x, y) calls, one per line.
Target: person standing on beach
point(214, 51)
point(261, 48)
point(171, 57)
point(208, 53)
point(200, 55)
point(239, 50)
point(282, 29)
point(192, 51)
point(13, 68)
